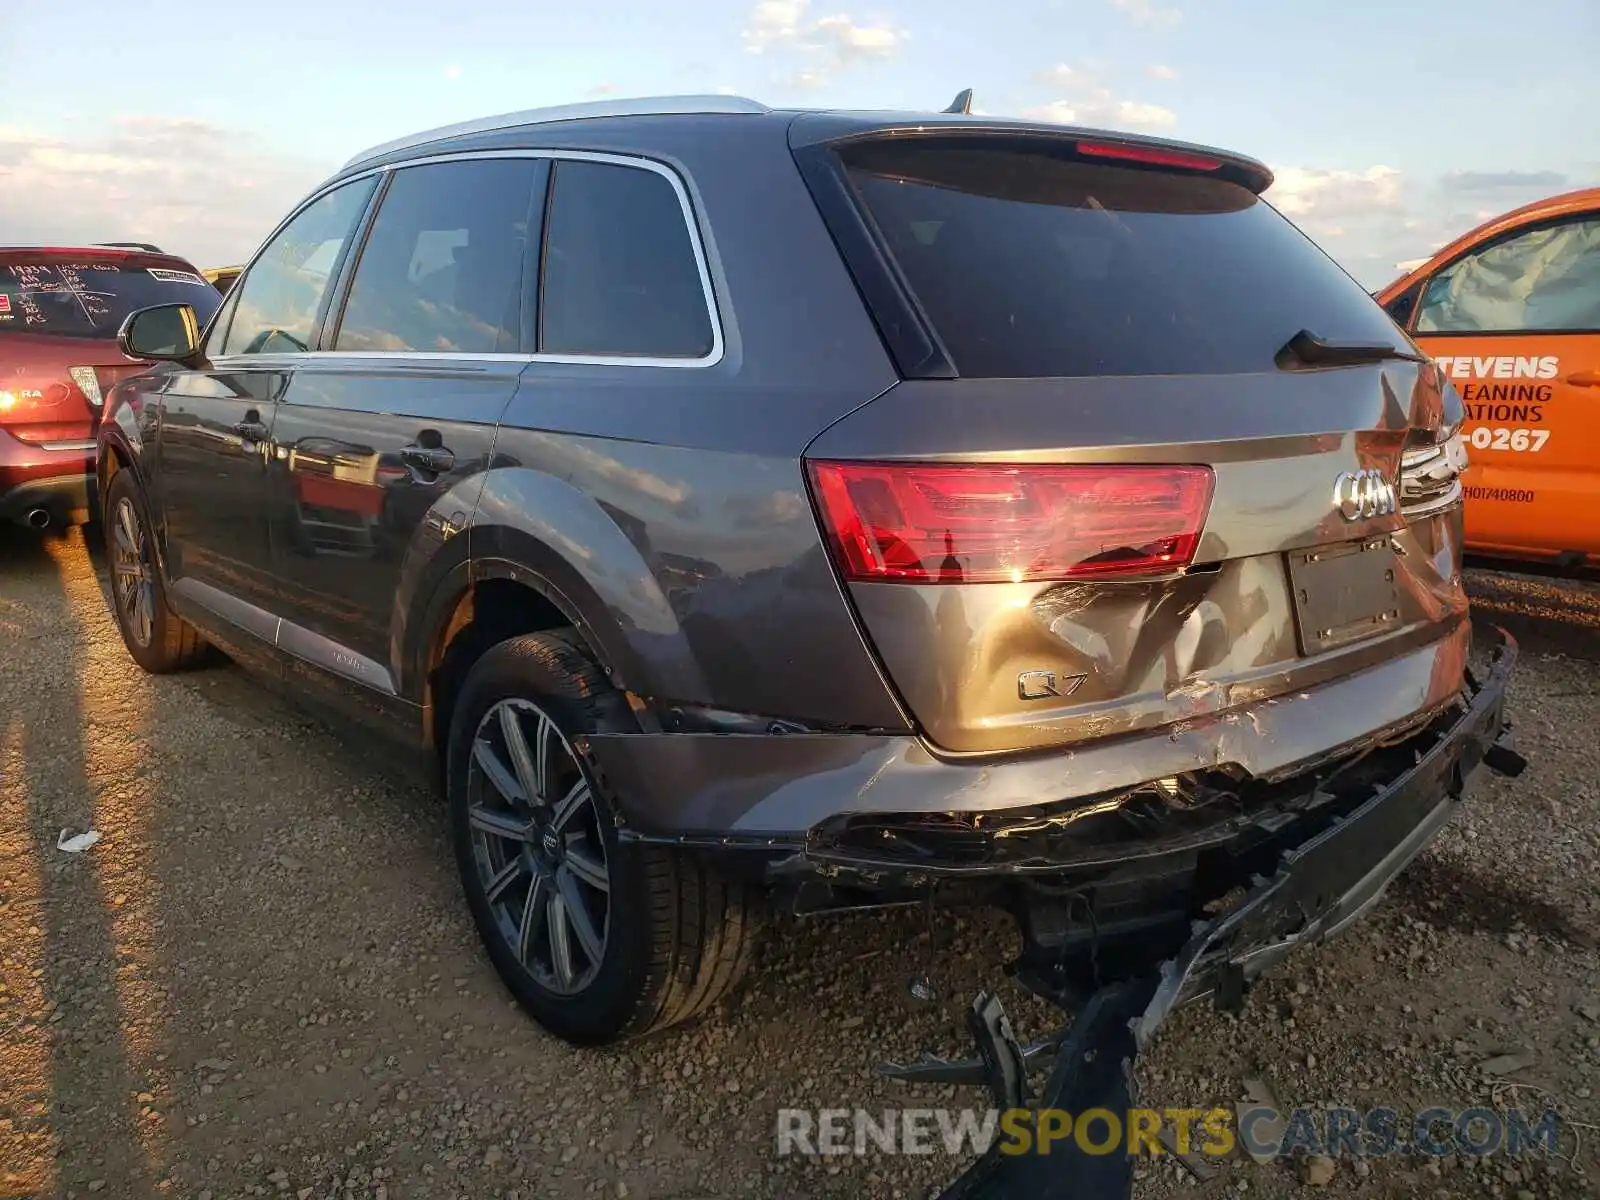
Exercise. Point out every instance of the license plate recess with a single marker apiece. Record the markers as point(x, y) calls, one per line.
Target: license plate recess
point(1344, 592)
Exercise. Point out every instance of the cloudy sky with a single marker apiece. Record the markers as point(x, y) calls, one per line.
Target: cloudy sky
point(1391, 126)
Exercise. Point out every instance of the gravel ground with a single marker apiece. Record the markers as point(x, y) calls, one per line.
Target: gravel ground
point(262, 981)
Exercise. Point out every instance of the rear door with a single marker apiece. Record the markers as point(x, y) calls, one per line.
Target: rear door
point(1157, 458)
point(381, 436)
point(216, 420)
point(1516, 324)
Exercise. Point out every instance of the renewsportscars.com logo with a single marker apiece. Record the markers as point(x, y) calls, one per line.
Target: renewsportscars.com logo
point(1260, 1131)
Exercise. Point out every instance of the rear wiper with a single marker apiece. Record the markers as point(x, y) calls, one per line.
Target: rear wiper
point(1306, 349)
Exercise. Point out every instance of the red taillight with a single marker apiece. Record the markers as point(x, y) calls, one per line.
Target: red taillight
point(1146, 154)
point(29, 403)
point(948, 523)
point(43, 412)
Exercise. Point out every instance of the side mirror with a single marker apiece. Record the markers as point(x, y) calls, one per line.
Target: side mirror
point(165, 333)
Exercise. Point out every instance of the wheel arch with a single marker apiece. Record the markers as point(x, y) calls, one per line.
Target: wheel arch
point(122, 430)
point(119, 447)
point(588, 560)
point(509, 584)
point(116, 452)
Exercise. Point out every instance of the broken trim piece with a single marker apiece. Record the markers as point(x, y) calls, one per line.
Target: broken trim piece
point(1092, 1070)
point(1326, 885)
point(1320, 888)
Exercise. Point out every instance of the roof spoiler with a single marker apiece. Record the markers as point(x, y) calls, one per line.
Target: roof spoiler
point(145, 246)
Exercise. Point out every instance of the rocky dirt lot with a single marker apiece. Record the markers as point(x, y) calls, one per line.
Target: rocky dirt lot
point(261, 981)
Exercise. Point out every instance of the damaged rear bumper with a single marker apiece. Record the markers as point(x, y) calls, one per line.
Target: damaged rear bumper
point(754, 792)
point(1318, 888)
point(1324, 885)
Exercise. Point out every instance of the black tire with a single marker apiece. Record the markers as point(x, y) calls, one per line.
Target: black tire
point(677, 936)
point(168, 643)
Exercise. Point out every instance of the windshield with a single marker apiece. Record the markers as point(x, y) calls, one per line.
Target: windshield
point(79, 295)
point(1030, 262)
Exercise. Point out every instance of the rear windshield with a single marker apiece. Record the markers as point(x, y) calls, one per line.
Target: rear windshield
point(1030, 262)
point(88, 297)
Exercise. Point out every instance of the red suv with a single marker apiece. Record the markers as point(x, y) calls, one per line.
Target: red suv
point(60, 309)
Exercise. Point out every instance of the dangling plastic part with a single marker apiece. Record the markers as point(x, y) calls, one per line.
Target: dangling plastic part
point(922, 987)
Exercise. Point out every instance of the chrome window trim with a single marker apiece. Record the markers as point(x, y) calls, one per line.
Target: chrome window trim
point(263, 362)
point(686, 208)
point(702, 265)
point(334, 358)
point(650, 106)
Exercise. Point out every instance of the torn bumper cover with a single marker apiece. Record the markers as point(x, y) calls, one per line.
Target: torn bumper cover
point(1324, 885)
point(1318, 889)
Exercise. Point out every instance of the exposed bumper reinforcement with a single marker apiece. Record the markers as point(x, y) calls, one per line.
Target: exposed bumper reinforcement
point(1319, 889)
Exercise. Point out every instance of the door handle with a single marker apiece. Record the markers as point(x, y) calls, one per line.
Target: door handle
point(1583, 379)
point(437, 459)
point(251, 431)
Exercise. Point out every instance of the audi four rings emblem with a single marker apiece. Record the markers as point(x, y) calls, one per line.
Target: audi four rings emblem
point(1359, 495)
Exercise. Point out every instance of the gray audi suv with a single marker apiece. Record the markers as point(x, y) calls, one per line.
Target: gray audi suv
point(738, 507)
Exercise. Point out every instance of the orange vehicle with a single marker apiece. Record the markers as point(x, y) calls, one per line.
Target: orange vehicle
point(1511, 311)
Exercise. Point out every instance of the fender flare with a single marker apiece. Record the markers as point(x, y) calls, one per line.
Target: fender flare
point(113, 437)
point(515, 555)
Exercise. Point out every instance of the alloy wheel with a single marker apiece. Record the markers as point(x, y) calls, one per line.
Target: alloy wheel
point(132, 575)
point(538, 846)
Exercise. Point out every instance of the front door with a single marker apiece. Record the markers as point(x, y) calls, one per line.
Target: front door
point(382, 437)
point(1516, 324)
point(217, 421)
point(215, 427)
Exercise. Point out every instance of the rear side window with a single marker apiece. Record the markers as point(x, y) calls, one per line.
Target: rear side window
point(1542, 280)
point(442, 270)
point(79, 295)
point(620, 273)
point(1030, 262)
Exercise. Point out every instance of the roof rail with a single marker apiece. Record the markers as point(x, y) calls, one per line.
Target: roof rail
point(645, 107)
point(146, 246)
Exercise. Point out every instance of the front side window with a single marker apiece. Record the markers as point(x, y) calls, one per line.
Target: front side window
point(620, 273)
point(217, 331)
point(1544, 280)
point(442, 270)
point(276, 312)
